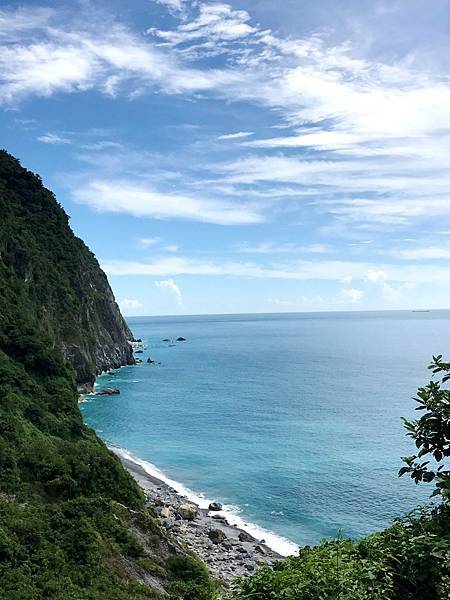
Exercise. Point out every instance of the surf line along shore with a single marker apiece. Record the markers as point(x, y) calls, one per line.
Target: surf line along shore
point(227, 550)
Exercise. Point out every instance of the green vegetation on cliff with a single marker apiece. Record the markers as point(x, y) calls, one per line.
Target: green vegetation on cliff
point(73, 524)
point(50, 282)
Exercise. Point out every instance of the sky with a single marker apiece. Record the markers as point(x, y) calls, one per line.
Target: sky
point(241, 156)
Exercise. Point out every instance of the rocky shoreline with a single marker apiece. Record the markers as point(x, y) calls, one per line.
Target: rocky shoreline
point(227, 550)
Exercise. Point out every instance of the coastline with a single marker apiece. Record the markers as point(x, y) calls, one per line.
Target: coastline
point(242, 546)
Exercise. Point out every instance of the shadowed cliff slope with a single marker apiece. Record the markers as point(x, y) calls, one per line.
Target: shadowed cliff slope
point(43, 262)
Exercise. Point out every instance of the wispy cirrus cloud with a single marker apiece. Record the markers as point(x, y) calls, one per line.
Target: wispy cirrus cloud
point(141, 200)
point(368, 138)
point(284, 248)
point(54, 139)
point(380, 274)
point(235, 136)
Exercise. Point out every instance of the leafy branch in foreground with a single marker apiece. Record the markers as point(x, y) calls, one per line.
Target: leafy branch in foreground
point(431, 433)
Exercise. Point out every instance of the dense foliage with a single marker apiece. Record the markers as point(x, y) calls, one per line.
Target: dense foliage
point(431, 433)
point(73, 524)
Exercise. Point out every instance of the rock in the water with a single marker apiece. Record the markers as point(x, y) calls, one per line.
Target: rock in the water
point(188, 511)
point(138, 351)
point(245, 537)
point(151, 360)
point(215, 506)
point(217, 536)
point(181, 339)
point(166, 340)
point(109, 391)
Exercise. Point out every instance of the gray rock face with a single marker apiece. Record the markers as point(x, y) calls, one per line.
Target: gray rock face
point(105, 343)
point(215, 506)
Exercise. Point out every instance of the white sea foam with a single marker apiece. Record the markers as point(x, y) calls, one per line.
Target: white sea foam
point(232, 513)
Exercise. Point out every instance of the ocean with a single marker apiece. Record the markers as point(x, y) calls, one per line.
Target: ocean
point(293, 421)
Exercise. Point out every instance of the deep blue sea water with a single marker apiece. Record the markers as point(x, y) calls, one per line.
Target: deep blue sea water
point(292, 420)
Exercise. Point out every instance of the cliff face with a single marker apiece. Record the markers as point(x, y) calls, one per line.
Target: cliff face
point(73, 522)
point(54, 279)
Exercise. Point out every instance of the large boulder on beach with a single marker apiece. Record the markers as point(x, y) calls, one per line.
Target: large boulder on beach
point(245, 537)
point(165, 512)
point(215, 506)
point(109, 391)
point(217, 536)
point(188, 511)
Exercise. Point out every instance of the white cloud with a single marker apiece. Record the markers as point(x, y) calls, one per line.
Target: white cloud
point(146, 242)
point(425, 253)
point(286, 248)
point(235, 136)
point(130, 303)
point(388, 292)
point(101, 145)
point(173, 5)
point(326, 270)
point(171, 248)
point(172, 287)
point(376, 276)
point(216, 22)
point(53, 138)
point(374, 131)
point(141, 200)
point(353, 295)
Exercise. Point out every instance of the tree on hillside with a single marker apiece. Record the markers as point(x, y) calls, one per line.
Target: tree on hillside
point(431, 433)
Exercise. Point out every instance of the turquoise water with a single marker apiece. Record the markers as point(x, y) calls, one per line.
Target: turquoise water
point(293, 421)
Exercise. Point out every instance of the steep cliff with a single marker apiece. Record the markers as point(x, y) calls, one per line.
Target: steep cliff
point(41, 260)
point(73, 522)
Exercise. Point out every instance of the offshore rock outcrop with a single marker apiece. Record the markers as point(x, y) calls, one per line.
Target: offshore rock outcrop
point(40, 257)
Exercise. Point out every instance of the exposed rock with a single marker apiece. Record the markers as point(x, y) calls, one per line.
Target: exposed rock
point(188, 511)
point(109, 391)
point(217, 536)
point(215, 506)
point(85, 388)
point(246, 537)
point(166, 340)
point(168, 523)
point(261, 550)
point(165, 512)
point(181, 339)
point(220, 518)
point(151, 361)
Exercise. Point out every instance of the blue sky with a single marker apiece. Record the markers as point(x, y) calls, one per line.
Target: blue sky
point(249, 156)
